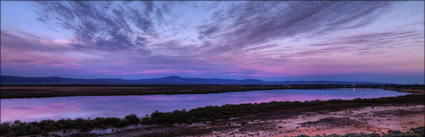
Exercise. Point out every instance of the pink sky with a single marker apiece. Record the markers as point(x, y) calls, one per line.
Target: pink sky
point(377, 42)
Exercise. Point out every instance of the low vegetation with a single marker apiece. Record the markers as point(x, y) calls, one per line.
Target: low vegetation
point(226, 111)
point(414, 132)
point(36, 91)
point(19, 128)
point(209, 113)
point(331, 122)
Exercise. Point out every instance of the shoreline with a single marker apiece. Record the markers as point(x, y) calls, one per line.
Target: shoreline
point(242, 113)
point(43, 91)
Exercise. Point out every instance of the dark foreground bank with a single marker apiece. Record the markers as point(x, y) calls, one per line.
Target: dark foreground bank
point(203, 114)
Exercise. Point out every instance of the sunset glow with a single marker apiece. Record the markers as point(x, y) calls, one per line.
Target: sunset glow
point(274, 40)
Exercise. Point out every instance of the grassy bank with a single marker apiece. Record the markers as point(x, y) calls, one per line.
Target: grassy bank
point(202, 114)
point(415, 132)
point(227, 111)
point(36, 91)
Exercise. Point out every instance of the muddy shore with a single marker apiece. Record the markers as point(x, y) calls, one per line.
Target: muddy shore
point(371, 119)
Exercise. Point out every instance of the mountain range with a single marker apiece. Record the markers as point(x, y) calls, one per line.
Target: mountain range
point(170, 80)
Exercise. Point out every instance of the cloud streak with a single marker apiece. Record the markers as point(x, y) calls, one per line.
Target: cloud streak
point(252, 23)
point(105, 25)
point(238, 39)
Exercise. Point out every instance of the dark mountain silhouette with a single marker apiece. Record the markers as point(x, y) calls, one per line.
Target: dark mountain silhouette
point(165, 80)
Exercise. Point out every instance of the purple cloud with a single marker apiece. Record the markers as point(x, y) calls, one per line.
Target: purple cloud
point(239, 39)
point(104, 25)
point(253, 23)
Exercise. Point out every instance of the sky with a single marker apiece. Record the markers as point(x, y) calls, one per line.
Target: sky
point(268, 40)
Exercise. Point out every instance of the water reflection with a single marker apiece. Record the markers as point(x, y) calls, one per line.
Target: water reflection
point(119, 106)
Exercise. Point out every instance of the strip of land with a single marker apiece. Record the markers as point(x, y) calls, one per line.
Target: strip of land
point(36, 91)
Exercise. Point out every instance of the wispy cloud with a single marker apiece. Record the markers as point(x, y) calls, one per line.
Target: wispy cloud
point(254, 39)
point(105, 25)
point(367, 43)
point(252, 23)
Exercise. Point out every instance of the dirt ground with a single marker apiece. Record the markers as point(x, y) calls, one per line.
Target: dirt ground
point(372, 119)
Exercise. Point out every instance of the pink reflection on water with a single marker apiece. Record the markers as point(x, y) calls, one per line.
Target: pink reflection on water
point(38, 112)
point(120, 106)
point(168, 98)
point(294, 98)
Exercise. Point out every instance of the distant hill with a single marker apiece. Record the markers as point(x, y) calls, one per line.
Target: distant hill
point(171, 80)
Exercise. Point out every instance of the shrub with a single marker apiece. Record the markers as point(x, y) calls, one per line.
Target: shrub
point(132, 119)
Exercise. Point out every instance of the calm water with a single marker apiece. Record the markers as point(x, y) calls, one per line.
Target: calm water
point(119, 106)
